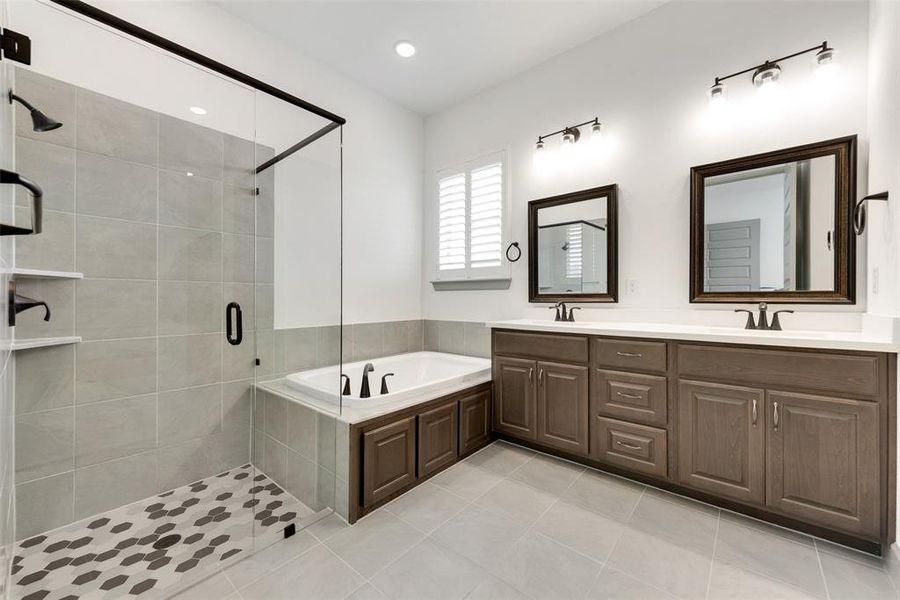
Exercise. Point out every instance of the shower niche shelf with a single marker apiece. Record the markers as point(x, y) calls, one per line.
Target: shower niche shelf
point(41, 274)
point(29, 343)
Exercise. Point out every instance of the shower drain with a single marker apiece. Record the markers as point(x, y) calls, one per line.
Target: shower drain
point(167, 541)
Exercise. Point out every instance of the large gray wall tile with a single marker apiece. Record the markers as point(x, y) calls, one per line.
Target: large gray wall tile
point(187, 462)
point(60, 295)
point(328, 345)
point(190, 307)
point(452, 337)
point(431, 335)
point(114, 483)
point(113, 248)
point(189, 201)
point(237, 407)
point(238, 257)
point(265, 203)
point(239, 162)
point(189, 414)
point(298, 348)
point(416, 339)
point(265, 351)
point(276, 460)
point(114, 428)
point(44, 378)
point(301, 474)
point(242, 293)
point(276, 417)
point(189, 360)
point(53, 249)
point(238, 361)
point(115, 128)
point(396, 334)
point(110, 187)
point(115, 369)
point(302, 425)
point(238, 210)
point(53, 167)
point(115, 308)
point(190, 148)
point(54, 98)
point(478, 340)
point(44, 504)
point(44, 443)
point(265, 260)
point(368, 341)
point(190, 254)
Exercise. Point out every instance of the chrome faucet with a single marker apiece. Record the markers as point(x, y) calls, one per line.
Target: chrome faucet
point(762, 323)
point(364, 389)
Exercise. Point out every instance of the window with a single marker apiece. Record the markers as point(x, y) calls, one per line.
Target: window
point(471, 208)
point(574, 251)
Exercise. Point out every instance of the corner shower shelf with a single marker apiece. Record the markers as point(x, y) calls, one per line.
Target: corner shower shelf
point(28, 343)
point(41, 274)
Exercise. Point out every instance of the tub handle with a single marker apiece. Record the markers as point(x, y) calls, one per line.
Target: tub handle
point(384, 387)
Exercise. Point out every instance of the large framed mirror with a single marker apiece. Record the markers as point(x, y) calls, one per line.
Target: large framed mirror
point(572, 247)
point(776, 227)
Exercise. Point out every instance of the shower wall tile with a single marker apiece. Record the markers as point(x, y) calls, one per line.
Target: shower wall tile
point(45, 378)
point(276, 417)
point(189, 414)
point(237, 258)
point(114, 483)
point(298, 348)
point(239, 162)
point(190, 307)
point(396, 338)
point(115, 308)
point(114, 428)
point(301, 429)
point(60, 295)
point(190, 254)
point(265, 306)
point(265, 204)
point(44, 444)
point(265, 260)
point(189, 360)
point(115, 249)
point(237, 408)
point(328, 345)
point(238, 361)
point(115, 369)
point(53, 249)
point(115, 128)
point(325, 437)
point(237, 210)
point(190, 148)
point(110, 187)
point(186, 462)
point(431, 335)
point(276, 460)
point(300, 480)
point(54, 98)
point(189, 201)
point(265, 351)
point(242, 293)
point(44, 504)
point(53, 167)
point(415, 336)
point(368, 341)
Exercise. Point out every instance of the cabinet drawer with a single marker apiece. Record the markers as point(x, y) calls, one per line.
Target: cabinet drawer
point(855, 375)
point(558, 348)
point(630, 396)
point(635, 447)
point(629, 355)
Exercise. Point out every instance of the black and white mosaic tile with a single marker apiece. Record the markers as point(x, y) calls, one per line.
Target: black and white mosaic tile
point(158, 544)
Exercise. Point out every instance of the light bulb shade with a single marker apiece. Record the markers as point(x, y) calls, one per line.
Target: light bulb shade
point(717, 94)
point(571, 135)
point(539, 147)
point(825, 56)
point(766, 75)
point(597, 130)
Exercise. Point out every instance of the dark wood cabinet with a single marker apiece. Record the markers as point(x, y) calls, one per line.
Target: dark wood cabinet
point(822, 460)
point(438, 438)
point(635, 447)
point(474, 421)
point(562, 406)
point(389, 459)
point(721, 440)
point(515, 404)
point(633, 397)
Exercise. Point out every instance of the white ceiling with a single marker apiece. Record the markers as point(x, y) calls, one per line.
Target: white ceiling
point(462, 47)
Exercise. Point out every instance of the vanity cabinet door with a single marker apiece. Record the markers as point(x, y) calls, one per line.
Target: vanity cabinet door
point(438, 438)
point(474, 421)
point(389, 459)
point(823, 456)
point(515, 408)
point(563, 413)
point(721, 437)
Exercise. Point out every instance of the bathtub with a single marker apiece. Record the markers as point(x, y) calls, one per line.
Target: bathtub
point(418, 377)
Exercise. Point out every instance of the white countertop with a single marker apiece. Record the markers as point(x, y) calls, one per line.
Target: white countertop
point(829, 340)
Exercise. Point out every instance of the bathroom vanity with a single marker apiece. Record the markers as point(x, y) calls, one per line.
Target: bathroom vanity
point(798, 432)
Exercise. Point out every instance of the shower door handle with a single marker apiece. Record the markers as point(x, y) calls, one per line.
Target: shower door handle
point(235, 334)
point(37, 204)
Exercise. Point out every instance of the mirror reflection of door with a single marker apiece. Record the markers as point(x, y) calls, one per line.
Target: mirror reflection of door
point(572, 248)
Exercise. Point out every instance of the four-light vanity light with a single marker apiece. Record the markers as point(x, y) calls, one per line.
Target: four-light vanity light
point(571, 134)
point(766, 75)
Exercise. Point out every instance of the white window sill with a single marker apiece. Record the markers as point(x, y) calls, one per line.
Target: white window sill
point(491, 283)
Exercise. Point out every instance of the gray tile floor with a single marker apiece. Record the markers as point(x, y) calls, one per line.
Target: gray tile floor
point(510, 523)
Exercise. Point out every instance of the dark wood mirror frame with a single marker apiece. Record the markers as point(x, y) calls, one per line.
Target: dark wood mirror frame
point(844, 292)
point(612, 259)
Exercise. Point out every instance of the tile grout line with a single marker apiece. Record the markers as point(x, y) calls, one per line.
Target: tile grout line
point(821, 568)
point(712, 558)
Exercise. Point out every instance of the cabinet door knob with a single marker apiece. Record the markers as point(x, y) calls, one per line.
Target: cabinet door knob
point(775, 414)
point(753, 412)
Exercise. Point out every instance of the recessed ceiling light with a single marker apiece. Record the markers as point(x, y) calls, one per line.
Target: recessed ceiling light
point(198, 110)
point(404, 49)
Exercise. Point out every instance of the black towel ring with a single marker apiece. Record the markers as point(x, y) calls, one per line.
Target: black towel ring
point(510, 247)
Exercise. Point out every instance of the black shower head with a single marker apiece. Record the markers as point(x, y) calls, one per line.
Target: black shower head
point(39, 121)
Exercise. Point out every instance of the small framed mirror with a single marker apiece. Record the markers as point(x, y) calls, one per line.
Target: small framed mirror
point(572, 247)
point(776, 227)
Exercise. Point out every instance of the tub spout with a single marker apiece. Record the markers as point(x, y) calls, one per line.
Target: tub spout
point(364, 389)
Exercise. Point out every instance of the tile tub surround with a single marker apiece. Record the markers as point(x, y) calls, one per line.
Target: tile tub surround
point(113, 554)
point(154, 397)
point(508, 522)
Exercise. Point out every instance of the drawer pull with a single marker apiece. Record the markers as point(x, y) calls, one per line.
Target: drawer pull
point(531, 375)
point(754, 411)
point(631, 396)
point(629, 446)
point(631, 354)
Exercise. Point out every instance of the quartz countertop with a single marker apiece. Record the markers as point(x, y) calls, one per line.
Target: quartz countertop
point(827, 340)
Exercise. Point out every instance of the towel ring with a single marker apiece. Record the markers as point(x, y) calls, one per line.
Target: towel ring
point(510, 247)
point(859, 213)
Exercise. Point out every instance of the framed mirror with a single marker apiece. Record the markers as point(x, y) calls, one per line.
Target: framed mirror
point(776, 227)
point(572, 247)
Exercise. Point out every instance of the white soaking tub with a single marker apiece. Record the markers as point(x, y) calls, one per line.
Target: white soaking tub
point(418, 377)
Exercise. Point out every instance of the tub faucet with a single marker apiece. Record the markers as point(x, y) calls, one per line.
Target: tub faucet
point(364, 389)
point(384, 387)
point(346, 379)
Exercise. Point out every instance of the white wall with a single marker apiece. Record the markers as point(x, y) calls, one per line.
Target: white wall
point(383, 143)
point(647, 81)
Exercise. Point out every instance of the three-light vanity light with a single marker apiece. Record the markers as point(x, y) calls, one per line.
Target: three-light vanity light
point(766, 75)
point(571, 134)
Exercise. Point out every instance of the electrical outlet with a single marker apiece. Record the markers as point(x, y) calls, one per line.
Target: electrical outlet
point(875, 281)
point(632, 286)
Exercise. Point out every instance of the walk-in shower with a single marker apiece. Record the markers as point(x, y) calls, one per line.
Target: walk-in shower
point(191, 248)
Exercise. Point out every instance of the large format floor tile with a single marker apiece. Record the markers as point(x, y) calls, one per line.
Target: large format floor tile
point(374, 542)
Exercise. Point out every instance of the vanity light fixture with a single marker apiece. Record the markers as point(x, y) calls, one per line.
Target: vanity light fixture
point(571, 134)
point(767, 74)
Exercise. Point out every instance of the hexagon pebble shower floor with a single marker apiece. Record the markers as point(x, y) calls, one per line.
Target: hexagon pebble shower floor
point(157, 545)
